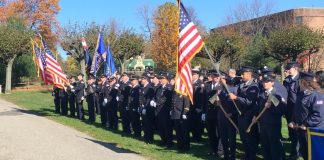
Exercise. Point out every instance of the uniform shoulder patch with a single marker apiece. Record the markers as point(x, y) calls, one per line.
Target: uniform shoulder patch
point(319, 102)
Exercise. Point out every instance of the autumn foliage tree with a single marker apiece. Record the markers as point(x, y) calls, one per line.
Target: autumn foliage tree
point(165, 36)
point(40, 15)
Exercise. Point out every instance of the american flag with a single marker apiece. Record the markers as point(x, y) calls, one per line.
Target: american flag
point(189, 43)
point(54, 67)
point(41, 63)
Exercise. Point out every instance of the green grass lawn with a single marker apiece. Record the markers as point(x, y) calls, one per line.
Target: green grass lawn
point(41, 103)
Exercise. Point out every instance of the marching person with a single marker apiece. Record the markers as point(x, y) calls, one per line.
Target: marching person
point(55, 94)
point(71, 95)
point(133, 104)
point(179, 115)
point(63, 101)
point(210, 113)
point(291, 83)
point(270, 121)
point(90, 97)
point(112, 106)
point(124, 91)
point(162, 103)
point(79, 92)
point(147, 111)
point(309, 109)
point(103, 100)
point(196, 108)
point(246, 98)
point(227, 131)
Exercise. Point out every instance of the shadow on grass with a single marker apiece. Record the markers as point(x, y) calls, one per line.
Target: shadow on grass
point(44, 112)
point(111, 146)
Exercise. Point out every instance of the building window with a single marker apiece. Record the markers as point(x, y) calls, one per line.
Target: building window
point(299, 20)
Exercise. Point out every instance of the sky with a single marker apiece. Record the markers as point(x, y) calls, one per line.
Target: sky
point(211, 13)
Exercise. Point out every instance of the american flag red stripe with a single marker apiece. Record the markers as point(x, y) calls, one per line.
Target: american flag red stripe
point(189, 43)
point(53, 67)
point(41, 63)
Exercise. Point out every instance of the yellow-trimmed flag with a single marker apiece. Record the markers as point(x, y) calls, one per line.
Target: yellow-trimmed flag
point(315, 143)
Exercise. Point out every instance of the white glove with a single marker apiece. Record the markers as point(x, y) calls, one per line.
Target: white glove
point(198, 110)
point(153, 103)
point(203, 117)
point(117, 85)
point(144, 111)
point(117, 98)
point(82, 98)
point(106, 100)
point(71, 86)
point(184, 116)
point(127, 108)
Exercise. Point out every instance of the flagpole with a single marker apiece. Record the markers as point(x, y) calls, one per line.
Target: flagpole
point(216, 66)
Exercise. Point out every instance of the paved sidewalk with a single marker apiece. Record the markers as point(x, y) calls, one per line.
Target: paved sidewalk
point(25, 136)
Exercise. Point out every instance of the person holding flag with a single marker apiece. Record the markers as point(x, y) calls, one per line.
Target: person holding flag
point(189, 44)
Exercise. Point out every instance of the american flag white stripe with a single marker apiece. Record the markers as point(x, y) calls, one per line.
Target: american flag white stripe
point(190, 43)
point(54, 67)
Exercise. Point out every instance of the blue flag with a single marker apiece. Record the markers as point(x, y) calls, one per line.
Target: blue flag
point(99, 56)
point(110, 68)
point(315, 143)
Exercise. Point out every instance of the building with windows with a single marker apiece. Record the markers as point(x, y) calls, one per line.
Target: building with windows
point(311, 17)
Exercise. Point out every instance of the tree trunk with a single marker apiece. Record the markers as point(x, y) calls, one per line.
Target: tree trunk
point(8, 74)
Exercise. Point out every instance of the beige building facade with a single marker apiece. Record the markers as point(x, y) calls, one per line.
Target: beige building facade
point(311, 17)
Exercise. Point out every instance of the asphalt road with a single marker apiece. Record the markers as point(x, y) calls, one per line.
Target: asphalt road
point(24, 136)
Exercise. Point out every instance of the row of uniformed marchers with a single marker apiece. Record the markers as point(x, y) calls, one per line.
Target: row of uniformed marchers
point(224, 105)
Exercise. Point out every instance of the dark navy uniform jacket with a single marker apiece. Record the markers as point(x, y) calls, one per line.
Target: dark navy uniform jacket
point(227, 103)
point(211, 89)
point(179, 103)
point(292, 86)
point(146, 95)
point(163, 99)
point(133, 99)
point(273, 114)
point(309, 109)
point(199, 99)
point(124, 93)
point(247, 95)
point(79, 90)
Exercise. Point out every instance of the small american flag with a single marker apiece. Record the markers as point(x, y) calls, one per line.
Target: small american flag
point(190, 43)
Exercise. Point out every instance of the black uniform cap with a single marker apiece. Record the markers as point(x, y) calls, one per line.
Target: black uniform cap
point(195, 71)
point(307, 76)
point(246, 69)
point(291, 65)
point(163, 75)
point(268, 77)
point(266, 70)
point(134, 77)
